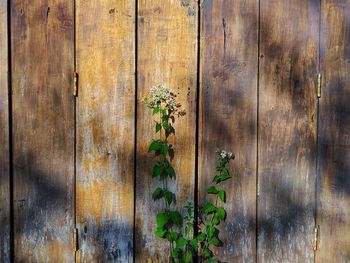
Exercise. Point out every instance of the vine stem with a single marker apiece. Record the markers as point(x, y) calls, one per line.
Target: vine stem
point(206, 242)
point(165, 181)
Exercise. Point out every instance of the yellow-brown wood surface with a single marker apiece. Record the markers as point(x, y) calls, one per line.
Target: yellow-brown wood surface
point(43, 124)
point(287, 129)
point(334, 135)
point(105, 130)
point(256, 99)
point(167, 54)
point(4, 140)
point(228, 117)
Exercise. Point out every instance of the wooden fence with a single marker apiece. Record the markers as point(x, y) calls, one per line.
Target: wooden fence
point(266, 79)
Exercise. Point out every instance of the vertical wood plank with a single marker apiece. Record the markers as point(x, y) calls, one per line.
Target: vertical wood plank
point(105, 130)
point(167, 54)
point(4, 139)
point(228, 117)
point(287, 129)
point(43, 142)
point(334, 134)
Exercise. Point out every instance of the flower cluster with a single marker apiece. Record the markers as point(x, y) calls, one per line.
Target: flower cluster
point(160, 96)
point(225, 155)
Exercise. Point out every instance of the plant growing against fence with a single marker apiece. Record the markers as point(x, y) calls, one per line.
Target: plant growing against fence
point(170, 224)
point(165, 108)
point(212, 214)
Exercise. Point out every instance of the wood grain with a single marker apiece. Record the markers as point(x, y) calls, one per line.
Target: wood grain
point(167, 54)
point(4, 139)
point(334, 134)
point(228, 117)
point(43, 140)
point(287, 130)
point(105, 130)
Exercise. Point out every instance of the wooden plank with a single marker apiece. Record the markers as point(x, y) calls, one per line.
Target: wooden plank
point(334, 134)
point(4, 139)
point(289, 51)
point(105, 130)
point(228, 117)
point(43, 129)
point(167, 54)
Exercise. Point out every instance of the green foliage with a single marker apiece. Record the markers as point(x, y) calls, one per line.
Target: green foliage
point(188, 219)
point(212, 214)
point(163, 169)
point(170, 225)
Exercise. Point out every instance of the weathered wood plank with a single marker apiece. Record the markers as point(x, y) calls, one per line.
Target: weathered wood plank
point(43, 129)
point(105, 130)
point(334, 134)
point(167, 54)
point(287, 130)
point(4, 140)
point(228, 117)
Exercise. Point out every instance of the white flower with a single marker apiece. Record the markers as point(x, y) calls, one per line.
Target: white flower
point(225, 155)
point(161, 94)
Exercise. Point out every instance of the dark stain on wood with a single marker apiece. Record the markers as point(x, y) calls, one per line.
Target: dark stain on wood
point(42, 132)
point(287, 136)
point(333, 214)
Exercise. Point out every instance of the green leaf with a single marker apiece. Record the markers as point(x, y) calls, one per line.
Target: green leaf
point(169, 196)
point(220, 178)
point(175, 253)
point(212, 190)
point(216, 179)
point(162, 219)
point(208, 208)
point(214, 241)
point(164, 148)
point(225, 172)
point(188, 229)
point(170, 171)
point(222, 195)
point(224, 178)
point(157, 170)
point(157, 193)
point(166, 125)
point(210, 230)
point(175, 217)
point(187, 257)
point(154, 146)
point(160, 232)
point(181, 242)
point(215, 220)
point(172, 236)
point(207, 252)
point(158, 127)
point(194, 244)
point(220, 211)
point(201, 237)
point(155, 110)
